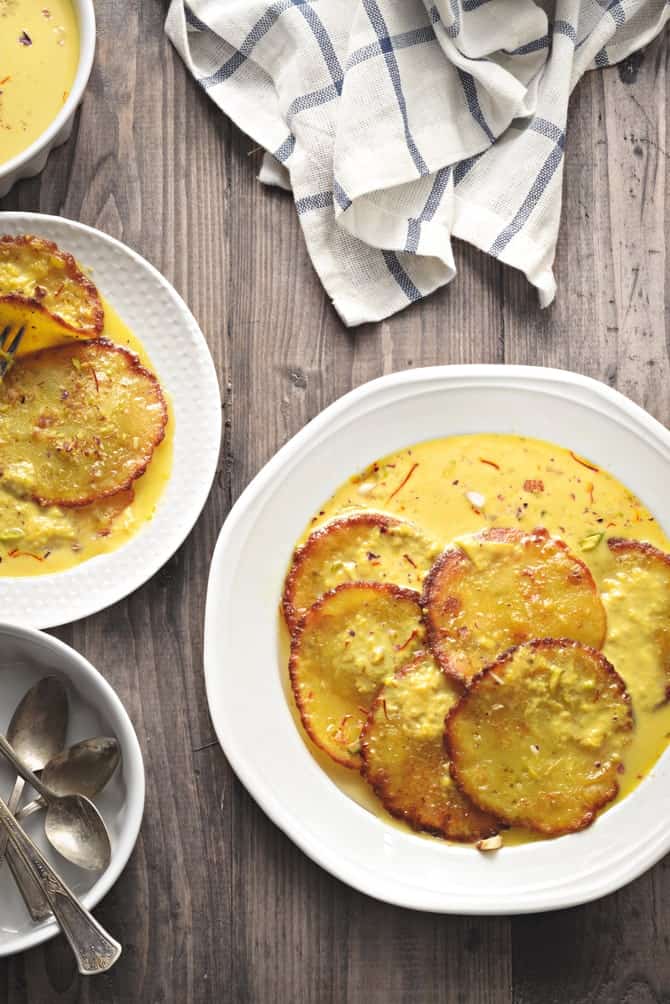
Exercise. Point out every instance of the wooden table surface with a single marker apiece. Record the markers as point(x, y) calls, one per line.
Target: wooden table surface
point(217, 905)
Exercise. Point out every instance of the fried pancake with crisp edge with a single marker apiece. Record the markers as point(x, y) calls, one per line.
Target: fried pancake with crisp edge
point(345, 646)
point(636, 595)
point(404, 758)
point(78, 423)
point(366, 546)
point(44, 289)
point(537, 738)
point(501, 587)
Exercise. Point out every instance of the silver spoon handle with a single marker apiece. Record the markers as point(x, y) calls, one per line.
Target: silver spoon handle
point(33, 897)
point(13, 804)
point(36, 902)
point(94, 949)
point(22, 770)
point(29, 809)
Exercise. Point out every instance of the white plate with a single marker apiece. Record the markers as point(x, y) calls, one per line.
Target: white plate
point(27, 655)
point(161, 320)
point(248, 707)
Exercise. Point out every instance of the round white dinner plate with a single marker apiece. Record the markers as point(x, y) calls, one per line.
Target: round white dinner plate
point(179, 355)
point(26, 656)
point(248, 707)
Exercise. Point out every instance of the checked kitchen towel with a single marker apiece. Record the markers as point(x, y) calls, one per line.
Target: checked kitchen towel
point(401, 124)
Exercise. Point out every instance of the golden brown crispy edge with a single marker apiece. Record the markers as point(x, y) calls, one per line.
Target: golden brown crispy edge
point(620, 545)
point(73, 271)
point(378, 783)
point(134, 364)
point(454, 559)
point(499, 664)
point(303, 552)
point(391, 589)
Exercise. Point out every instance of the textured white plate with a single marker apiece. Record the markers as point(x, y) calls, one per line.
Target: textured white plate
point(248, 707)
point(179, 354)
point(95, 710)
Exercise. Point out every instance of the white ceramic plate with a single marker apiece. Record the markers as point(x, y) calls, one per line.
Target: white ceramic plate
point(159, 317)
point(248, 707)
point(27, 655)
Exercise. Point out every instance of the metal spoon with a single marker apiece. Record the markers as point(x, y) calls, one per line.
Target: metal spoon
point(37, 733)
point(73, 825)
point(94, 949)
point(83, 769)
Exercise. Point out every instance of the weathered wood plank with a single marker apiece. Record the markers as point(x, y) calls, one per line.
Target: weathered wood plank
point(610, 322)
point(217, 905)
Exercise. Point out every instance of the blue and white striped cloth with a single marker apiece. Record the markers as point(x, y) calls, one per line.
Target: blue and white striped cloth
point(401, 124)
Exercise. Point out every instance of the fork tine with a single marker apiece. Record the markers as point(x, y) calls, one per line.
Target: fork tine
point(17, 340)
point(11, 351)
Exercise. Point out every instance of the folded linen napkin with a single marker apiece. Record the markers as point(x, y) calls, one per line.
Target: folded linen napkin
point(400, 124)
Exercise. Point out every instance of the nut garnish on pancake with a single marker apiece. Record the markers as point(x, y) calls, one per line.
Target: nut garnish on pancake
point(347, 644)
point(502, 587)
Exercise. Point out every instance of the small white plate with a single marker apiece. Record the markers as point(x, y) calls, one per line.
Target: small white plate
point(247, 703)
point(158, 316)
point(27, 655)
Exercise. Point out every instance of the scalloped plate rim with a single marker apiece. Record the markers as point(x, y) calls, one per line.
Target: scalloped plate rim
point(243, 754)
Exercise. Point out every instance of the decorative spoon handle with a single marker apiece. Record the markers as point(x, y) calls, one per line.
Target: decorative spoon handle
point(35, 900)
point(94, 949)
point(33, 896)
point(14, 802)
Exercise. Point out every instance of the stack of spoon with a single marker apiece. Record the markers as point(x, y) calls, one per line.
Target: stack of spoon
point(69, 779)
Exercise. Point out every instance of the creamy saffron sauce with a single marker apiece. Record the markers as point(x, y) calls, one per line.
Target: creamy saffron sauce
point(39, 54)
point(60, 537)
point(463, 484)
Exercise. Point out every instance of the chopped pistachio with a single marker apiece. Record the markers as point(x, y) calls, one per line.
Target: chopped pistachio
point(591, 541)
point(11, 534)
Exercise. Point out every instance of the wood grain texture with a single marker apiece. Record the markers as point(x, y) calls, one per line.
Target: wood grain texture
point(217, 905)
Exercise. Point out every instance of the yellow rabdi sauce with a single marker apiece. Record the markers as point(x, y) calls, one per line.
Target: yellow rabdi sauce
point(463, 484)
point(39, 54)
point(56, 537)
